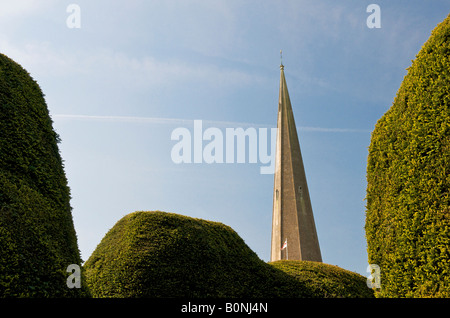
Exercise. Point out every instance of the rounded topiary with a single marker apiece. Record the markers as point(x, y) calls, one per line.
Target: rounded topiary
point(37, 236)
point(408, 179)
point(159, 254)
point(325, 280)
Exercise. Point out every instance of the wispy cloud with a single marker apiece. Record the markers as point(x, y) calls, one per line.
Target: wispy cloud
point(42, 59)
point(12, 9)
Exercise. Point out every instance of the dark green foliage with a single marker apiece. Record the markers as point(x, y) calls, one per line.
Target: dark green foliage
point(408, 175)
point(326, 281)
point(37, 236)
point(158, 254)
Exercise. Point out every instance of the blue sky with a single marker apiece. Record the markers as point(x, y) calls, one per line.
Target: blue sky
point(136, 70)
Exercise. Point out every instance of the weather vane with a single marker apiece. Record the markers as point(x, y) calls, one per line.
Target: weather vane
point(281, 57)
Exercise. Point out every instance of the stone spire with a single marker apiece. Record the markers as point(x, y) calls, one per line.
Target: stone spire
point(292, 220)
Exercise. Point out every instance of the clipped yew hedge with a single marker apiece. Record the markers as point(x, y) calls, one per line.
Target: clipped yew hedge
point(325, 280)
point(408, 179)
point(37, 236)
point(159, 254)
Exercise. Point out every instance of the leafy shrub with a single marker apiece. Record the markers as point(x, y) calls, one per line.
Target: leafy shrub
point(408, 179)
point(37, 236)
point(158, 254)
point(326, 281)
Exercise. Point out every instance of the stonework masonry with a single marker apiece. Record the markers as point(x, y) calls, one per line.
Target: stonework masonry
point(293, 219)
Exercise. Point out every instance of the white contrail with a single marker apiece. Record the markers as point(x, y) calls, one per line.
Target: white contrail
point(334, 130)
point(152, 120)
point(179, 121)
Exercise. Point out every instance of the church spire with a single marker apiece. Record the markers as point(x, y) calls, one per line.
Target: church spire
point(294, 233)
